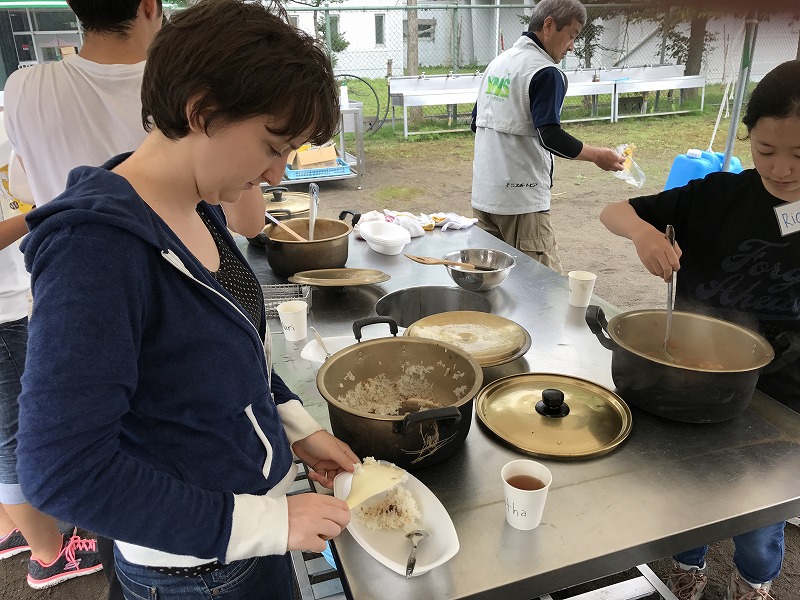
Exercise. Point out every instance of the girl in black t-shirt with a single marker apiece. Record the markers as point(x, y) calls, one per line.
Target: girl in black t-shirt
point(739, 259)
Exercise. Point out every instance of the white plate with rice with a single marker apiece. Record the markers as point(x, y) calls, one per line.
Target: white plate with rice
point(313, 352)
point(390, 547)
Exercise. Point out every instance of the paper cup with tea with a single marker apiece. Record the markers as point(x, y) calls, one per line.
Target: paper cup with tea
point(525, 483)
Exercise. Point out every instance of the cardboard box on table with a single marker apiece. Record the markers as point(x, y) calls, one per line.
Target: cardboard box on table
point(316, 157)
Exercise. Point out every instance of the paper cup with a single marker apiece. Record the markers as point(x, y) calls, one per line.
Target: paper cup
point(293, 319)
point(581, 284)
point(525, 483)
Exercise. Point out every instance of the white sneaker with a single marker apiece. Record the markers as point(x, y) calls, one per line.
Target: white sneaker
point(687, 583)
point(741, 589)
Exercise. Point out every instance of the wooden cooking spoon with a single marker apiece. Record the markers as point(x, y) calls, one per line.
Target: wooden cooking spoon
point(429, 260)
point(288, 230)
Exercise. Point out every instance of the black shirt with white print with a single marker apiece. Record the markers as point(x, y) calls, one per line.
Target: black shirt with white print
point(735, 265)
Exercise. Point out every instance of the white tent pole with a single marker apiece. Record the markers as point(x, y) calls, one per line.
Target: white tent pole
point(741, 86)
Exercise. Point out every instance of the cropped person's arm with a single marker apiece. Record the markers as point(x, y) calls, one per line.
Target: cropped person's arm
point(655, 252)
point(246, 217)
point(12, 230)
point(605, 158)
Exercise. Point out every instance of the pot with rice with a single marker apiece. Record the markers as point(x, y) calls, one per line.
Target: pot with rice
point(406, 400)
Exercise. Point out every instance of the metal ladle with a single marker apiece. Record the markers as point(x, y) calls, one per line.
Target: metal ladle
point(313, 205)
point(415, 537)
point(670, 234)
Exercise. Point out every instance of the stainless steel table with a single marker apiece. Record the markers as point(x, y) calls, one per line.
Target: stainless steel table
point(671, 486)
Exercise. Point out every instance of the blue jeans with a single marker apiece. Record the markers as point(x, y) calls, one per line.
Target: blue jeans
point(13, 343)
point(263, 578)
point(758, 554)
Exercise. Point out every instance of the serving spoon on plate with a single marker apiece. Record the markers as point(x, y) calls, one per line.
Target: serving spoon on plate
point(415, 537)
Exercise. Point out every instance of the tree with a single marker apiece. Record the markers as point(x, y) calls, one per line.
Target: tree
point(412, 50)
point(338, 41)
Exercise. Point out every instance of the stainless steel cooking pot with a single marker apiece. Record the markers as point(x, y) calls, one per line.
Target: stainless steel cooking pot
point(408, 305)
point(711, 376)
point(328, 250)
point(415, 438)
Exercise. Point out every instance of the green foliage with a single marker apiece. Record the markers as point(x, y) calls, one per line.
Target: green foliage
point(678, 45)
point(338, 41)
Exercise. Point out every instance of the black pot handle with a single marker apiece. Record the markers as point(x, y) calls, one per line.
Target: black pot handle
point(446, 413)
point(360, 323)
point(787, 349)
point(596, 320)
point(344, 213)
point(278, 213)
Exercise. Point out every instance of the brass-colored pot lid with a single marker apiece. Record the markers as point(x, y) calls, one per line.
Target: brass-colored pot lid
point(297, 203)
point(596, 420)
point(339, 277)
point(491, 339)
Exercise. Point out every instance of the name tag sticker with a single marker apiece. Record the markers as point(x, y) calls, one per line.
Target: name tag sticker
point(788, 217)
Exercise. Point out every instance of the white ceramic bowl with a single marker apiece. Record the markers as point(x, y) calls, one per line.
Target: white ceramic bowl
point(384, 237)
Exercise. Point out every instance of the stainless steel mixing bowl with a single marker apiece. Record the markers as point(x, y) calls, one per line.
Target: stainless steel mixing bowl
point(478, 281)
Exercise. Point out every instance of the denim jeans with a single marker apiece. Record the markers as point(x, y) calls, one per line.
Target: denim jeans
point(758, 554)
point(263, 578)
point(13, 343)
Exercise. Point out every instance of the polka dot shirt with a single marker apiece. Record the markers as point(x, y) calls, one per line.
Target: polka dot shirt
point(235, 277)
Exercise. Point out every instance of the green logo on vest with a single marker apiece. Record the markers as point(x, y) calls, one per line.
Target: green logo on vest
point(498, 86)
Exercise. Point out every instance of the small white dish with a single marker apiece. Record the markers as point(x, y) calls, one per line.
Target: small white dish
point(384, 237)
point(312, 351)
point(390, 547)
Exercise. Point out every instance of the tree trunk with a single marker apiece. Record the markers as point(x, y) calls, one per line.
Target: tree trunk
point(798, 47)
point(697, 44)
point(412, 53)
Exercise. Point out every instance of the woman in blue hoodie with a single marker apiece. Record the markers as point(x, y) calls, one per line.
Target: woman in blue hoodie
point(145, 413)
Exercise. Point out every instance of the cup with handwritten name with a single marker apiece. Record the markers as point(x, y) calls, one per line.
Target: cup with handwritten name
point(581, 285)
point(293, 319)
point(525, 483)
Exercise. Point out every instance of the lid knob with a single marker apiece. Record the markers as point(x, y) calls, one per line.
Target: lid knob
point(277, 195)
point(552, 404)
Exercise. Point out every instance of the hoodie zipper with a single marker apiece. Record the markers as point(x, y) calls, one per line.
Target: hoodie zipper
point(178, 264)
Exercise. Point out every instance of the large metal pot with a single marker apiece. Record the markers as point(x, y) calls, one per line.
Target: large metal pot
point(409, 305)
point(328, 250)
point(711, 377)
point(416, 439)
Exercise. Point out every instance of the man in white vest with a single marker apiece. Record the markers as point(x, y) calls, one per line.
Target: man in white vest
point(517, 128)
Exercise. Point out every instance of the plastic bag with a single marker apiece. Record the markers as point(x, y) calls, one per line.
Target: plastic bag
point(631, 173)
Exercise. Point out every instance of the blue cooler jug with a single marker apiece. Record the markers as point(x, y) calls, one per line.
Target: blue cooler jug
point(734, 167)
point(695, 164)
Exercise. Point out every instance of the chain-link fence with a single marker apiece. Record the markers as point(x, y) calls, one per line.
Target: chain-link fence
point(369, 44)
point(372, 43)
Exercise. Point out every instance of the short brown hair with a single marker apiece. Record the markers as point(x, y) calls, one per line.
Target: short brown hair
point(237, 60)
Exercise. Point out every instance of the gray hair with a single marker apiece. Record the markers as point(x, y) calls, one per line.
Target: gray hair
point(562, 11)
